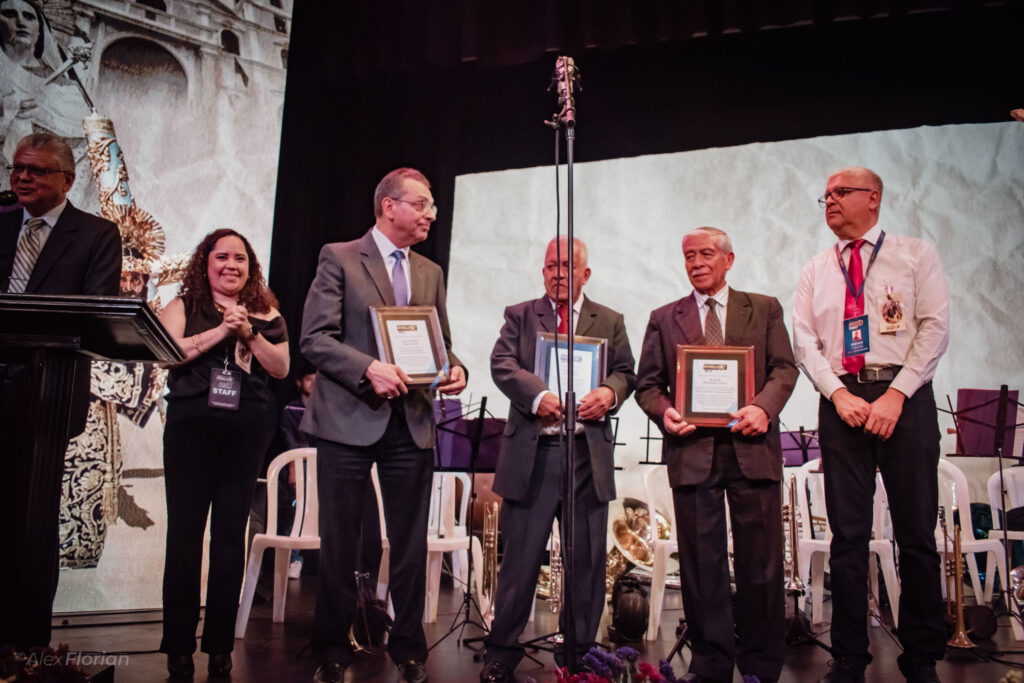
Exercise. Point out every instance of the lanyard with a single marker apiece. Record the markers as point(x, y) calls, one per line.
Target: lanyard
point(846, 274)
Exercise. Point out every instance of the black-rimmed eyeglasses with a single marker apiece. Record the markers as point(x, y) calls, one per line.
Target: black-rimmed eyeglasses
point(33, 172)
point(839, 193)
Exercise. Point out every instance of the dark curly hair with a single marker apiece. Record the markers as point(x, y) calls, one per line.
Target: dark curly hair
point(195, 286)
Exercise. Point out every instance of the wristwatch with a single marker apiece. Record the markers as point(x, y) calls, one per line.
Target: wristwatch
point(252, 333)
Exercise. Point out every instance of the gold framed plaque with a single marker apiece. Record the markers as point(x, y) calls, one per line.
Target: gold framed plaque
point(410, 337)
point(589, 366)
point(713, 381)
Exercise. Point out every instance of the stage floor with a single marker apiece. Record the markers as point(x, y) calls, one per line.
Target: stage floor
point(275, 653)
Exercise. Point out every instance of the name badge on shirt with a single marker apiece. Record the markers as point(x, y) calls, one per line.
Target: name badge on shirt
point(890, 313)
point(856, 339)
point(225, 389)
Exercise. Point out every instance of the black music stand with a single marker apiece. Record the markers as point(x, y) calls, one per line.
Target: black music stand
point(43, 339)
point(800, 446)
point(451, 455)
point(985, 420)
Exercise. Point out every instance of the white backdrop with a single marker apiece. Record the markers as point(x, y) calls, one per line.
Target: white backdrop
point(960, 187)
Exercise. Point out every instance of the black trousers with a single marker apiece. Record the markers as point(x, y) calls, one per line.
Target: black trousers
point(525, 527)
point(749, 633)
point(343, 476)
point(211, 459)
point(908, 462)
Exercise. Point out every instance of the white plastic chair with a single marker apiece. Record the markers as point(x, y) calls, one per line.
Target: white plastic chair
point(1013, 479)
point(954, 492)
point(446, 534)
point(814, 550)
point(304, 534)
point(656, 489)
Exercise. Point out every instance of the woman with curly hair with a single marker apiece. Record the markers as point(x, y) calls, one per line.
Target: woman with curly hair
point(219, 424)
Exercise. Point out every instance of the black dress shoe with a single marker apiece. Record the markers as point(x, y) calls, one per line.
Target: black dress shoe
point(332, 672)
point(496, 672)
point(844, 670)
point(412, 671)
point(920, 672)
point(220, 664)
point(180, 666)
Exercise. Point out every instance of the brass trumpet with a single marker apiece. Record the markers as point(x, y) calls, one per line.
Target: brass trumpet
point(489, 570)
point(960, 638)
point(791, 520)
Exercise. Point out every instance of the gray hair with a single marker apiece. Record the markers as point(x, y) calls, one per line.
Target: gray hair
point(391, 184)
point(873, 179)
point(51, 143)
point(722, 240)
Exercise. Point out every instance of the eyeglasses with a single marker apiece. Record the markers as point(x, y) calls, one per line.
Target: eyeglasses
point(421, 205)
point(33, 172)
point(839, 193)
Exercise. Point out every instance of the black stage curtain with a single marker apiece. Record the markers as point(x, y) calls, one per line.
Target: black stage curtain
point(453, 87)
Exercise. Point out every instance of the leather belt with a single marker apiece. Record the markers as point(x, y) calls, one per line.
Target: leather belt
point(878, 374)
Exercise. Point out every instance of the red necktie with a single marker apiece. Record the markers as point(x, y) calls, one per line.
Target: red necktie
point(563, 319)
point(854, 307)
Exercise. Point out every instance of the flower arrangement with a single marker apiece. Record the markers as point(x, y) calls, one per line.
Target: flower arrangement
point(622, 666)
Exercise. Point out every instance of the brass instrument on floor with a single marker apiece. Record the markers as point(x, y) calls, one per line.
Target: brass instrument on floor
point(959, 638)
point(791, 521)
point(947, 573)
point(489, 570)
point(555, 583)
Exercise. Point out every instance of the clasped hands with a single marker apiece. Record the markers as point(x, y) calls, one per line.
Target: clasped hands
point(877, 418)
point(390, 381)
point(751, 420)
point(594, 406)
point(236, 319)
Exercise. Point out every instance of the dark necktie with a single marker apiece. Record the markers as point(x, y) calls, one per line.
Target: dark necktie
point(25, 257)
point(854, 307)
point(563, 319)
point(712, 326)
point(398, 281)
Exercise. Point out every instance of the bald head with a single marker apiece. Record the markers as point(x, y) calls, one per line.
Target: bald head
point(853, 199)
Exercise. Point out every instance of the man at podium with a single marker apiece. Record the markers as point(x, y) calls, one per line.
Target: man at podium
point(46, 247)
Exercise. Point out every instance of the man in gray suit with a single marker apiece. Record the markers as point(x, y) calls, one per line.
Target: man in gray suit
point(363, 412)
point(706, 464)
point(529, 473)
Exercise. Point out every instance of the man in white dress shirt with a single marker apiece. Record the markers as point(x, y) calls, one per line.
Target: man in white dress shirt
point(870, 325)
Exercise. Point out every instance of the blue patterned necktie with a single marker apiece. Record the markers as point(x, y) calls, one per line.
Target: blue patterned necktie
point(25, 257)
point(398, 281)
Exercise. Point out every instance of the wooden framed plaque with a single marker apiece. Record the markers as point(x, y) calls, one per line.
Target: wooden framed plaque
point(713, 381)
point(590, 355)
point(410, 337)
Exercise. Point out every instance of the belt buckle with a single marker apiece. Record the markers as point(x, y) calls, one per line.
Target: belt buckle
point(870, 375)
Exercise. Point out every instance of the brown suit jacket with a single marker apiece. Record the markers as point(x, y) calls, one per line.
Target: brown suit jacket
point(751, 320)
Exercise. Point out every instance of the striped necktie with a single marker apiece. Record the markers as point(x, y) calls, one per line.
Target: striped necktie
point(26, 255)
point(712, 326)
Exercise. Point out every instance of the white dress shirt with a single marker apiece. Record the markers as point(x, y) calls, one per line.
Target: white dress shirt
point(50, 219)
point(908, 265)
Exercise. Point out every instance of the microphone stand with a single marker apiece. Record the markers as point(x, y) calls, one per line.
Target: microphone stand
point(564, 78)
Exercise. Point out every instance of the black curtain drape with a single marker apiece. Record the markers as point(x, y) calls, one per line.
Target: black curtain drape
point(454, 87)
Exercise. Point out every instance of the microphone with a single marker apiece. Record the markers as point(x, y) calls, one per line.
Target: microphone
point(565, 79)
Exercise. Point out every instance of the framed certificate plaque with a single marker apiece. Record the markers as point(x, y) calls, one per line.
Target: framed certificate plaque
point(588, 366)
point(713, 381)
point(410, 337)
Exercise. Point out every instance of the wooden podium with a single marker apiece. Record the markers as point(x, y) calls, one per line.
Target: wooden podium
point(45, 342)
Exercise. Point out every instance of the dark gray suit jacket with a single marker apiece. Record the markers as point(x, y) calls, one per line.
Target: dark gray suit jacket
point(751, 320)
point(82, 255)
point(337, 338)
point(512, 363)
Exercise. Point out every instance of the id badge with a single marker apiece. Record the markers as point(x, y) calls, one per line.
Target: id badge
point(225, 389)
point(856, 339)
point(890, 314)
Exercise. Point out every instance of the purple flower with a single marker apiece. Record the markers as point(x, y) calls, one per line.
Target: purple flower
point(628, 653)
point(666, 671)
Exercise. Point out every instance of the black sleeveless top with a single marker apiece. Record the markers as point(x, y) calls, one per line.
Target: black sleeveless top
point(192, 380)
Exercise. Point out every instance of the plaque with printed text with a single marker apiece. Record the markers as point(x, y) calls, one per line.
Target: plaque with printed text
point(410, 337)
point(589, 355)
point(713, 381)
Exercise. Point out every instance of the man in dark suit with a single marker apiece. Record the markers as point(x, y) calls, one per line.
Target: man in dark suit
point(707, 464)
point(363, 412)
point(529, 473)
point(47, 247)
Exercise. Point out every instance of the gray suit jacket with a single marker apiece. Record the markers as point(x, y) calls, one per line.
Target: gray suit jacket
point(512, 362)
point(751, 320)
point(337, 338)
